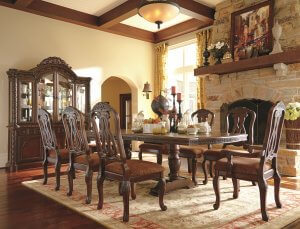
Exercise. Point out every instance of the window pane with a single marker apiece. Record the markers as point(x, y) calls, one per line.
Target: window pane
point(190, 55)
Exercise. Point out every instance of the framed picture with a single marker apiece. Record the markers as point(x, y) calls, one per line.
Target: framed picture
point(251, 34)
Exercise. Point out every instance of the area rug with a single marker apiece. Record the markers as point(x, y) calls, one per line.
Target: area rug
point(187, 208)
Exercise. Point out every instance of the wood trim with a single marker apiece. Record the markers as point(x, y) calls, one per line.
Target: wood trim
point(23, 3)
point(179, 29)
point(196, 10)
point(133, 32)
point(288, 57)
point(119, 13)
point(114, 16)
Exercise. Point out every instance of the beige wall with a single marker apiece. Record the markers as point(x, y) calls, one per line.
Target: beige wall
point(117, 86)
point(26, 39)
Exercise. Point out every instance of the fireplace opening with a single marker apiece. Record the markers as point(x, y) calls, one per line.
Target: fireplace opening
point(261, 109)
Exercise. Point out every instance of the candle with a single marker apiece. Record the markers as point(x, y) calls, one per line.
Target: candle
point(178, 96)
point(173, 90)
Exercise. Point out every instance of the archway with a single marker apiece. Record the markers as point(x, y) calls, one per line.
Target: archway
point(118, 93)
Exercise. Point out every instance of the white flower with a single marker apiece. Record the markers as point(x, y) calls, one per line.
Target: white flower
point(218, 45)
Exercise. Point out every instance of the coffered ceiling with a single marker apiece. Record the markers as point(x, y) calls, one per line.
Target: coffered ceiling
point(120, 16)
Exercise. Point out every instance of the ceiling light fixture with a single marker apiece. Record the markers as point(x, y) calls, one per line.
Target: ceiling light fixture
point(158, 12)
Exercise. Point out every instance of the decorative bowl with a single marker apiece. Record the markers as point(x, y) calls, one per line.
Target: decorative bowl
point(191, 131)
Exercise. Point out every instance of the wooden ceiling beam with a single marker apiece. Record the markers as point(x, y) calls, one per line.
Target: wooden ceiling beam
point(64, 14)
point(119, 13)
point(23, 3)
point(196, 10)
point(133, 32)
point(179, 29)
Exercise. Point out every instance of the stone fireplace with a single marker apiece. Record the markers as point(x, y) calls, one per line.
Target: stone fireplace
point(274, 83)
point(262, 85)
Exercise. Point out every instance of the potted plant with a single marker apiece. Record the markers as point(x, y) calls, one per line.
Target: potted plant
point(218, 50)
point(292, 124)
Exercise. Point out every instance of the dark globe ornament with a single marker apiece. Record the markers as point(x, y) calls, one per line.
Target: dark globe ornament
point(160, 105)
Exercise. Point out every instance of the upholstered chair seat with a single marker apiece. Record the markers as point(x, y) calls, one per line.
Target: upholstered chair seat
point(242, 165)
point(196, 151)
point(137, 168)
point(94, 161)
point(64, 154)
point(158, 149)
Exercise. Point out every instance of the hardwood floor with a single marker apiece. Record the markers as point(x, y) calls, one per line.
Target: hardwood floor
point(23, 208)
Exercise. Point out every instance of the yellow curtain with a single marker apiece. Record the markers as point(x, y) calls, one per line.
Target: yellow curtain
point(201, 39)
point(161, 52)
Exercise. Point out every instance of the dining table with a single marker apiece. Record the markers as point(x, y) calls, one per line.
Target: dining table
point(173, 141)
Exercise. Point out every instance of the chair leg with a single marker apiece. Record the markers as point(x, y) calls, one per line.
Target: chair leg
point(125, 189)
point(162, 190)
point(133, 194)
point(277, 180)
point(263, 187)
point(236, 188)
point(217, 190)
point(159, 158)
point(204, 170)
point(120, 190)
point(140, 155)
point(57, 174)
point(194, 170)
point(189, 163)
point(211, 169)
point(88, 181)
point(253, 183)
point(45, 167)
point(100, 181)
point(70, 179)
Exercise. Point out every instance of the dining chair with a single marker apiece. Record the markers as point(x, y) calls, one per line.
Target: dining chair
point(52, 154)
point(153, 148)
point(239, 116)
point(192, 153)
point(81, 157)
point(126, 172)
point(256, 166)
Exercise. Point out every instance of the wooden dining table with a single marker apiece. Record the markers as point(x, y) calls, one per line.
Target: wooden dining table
point(173, 141)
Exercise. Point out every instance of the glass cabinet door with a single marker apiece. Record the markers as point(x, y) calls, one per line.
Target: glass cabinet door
point(46, 93)
point(25, 101)
point(81, 97)
point(65, 95)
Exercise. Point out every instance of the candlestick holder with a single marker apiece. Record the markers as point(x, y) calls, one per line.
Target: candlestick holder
point(173, 116)
point(179, 116)
point(206, 53)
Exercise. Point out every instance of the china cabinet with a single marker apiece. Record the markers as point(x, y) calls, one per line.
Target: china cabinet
point(51, 85)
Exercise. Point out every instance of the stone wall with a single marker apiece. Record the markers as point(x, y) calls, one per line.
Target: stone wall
point(260, 83)
point(287, 12)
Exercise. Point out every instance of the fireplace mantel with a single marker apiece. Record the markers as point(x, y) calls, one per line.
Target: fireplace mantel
point(287, 57)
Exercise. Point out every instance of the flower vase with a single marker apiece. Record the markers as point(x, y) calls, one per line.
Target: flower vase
point(219, 57)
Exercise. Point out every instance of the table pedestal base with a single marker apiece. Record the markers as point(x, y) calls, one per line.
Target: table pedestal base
point(181, 182)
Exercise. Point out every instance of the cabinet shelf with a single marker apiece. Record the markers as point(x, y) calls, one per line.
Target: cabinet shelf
point(287, 57)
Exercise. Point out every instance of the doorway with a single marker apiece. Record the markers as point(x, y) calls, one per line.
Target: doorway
point(125, 111)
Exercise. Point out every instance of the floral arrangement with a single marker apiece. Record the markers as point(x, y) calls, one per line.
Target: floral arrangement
point(218, 50)
point(292, 111)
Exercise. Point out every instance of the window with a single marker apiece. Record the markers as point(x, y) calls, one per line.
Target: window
point(181, 62)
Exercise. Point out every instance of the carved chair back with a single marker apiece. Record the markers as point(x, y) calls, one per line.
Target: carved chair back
point(48, 135)
point(73, 121)
point(239, 115)
point(204, 115)
point(273, 132)
point(109, 143)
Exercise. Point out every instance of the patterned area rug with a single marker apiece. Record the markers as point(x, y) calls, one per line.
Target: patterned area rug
point(187, 208)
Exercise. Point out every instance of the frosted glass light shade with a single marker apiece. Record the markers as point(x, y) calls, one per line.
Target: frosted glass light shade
point(158, 11)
